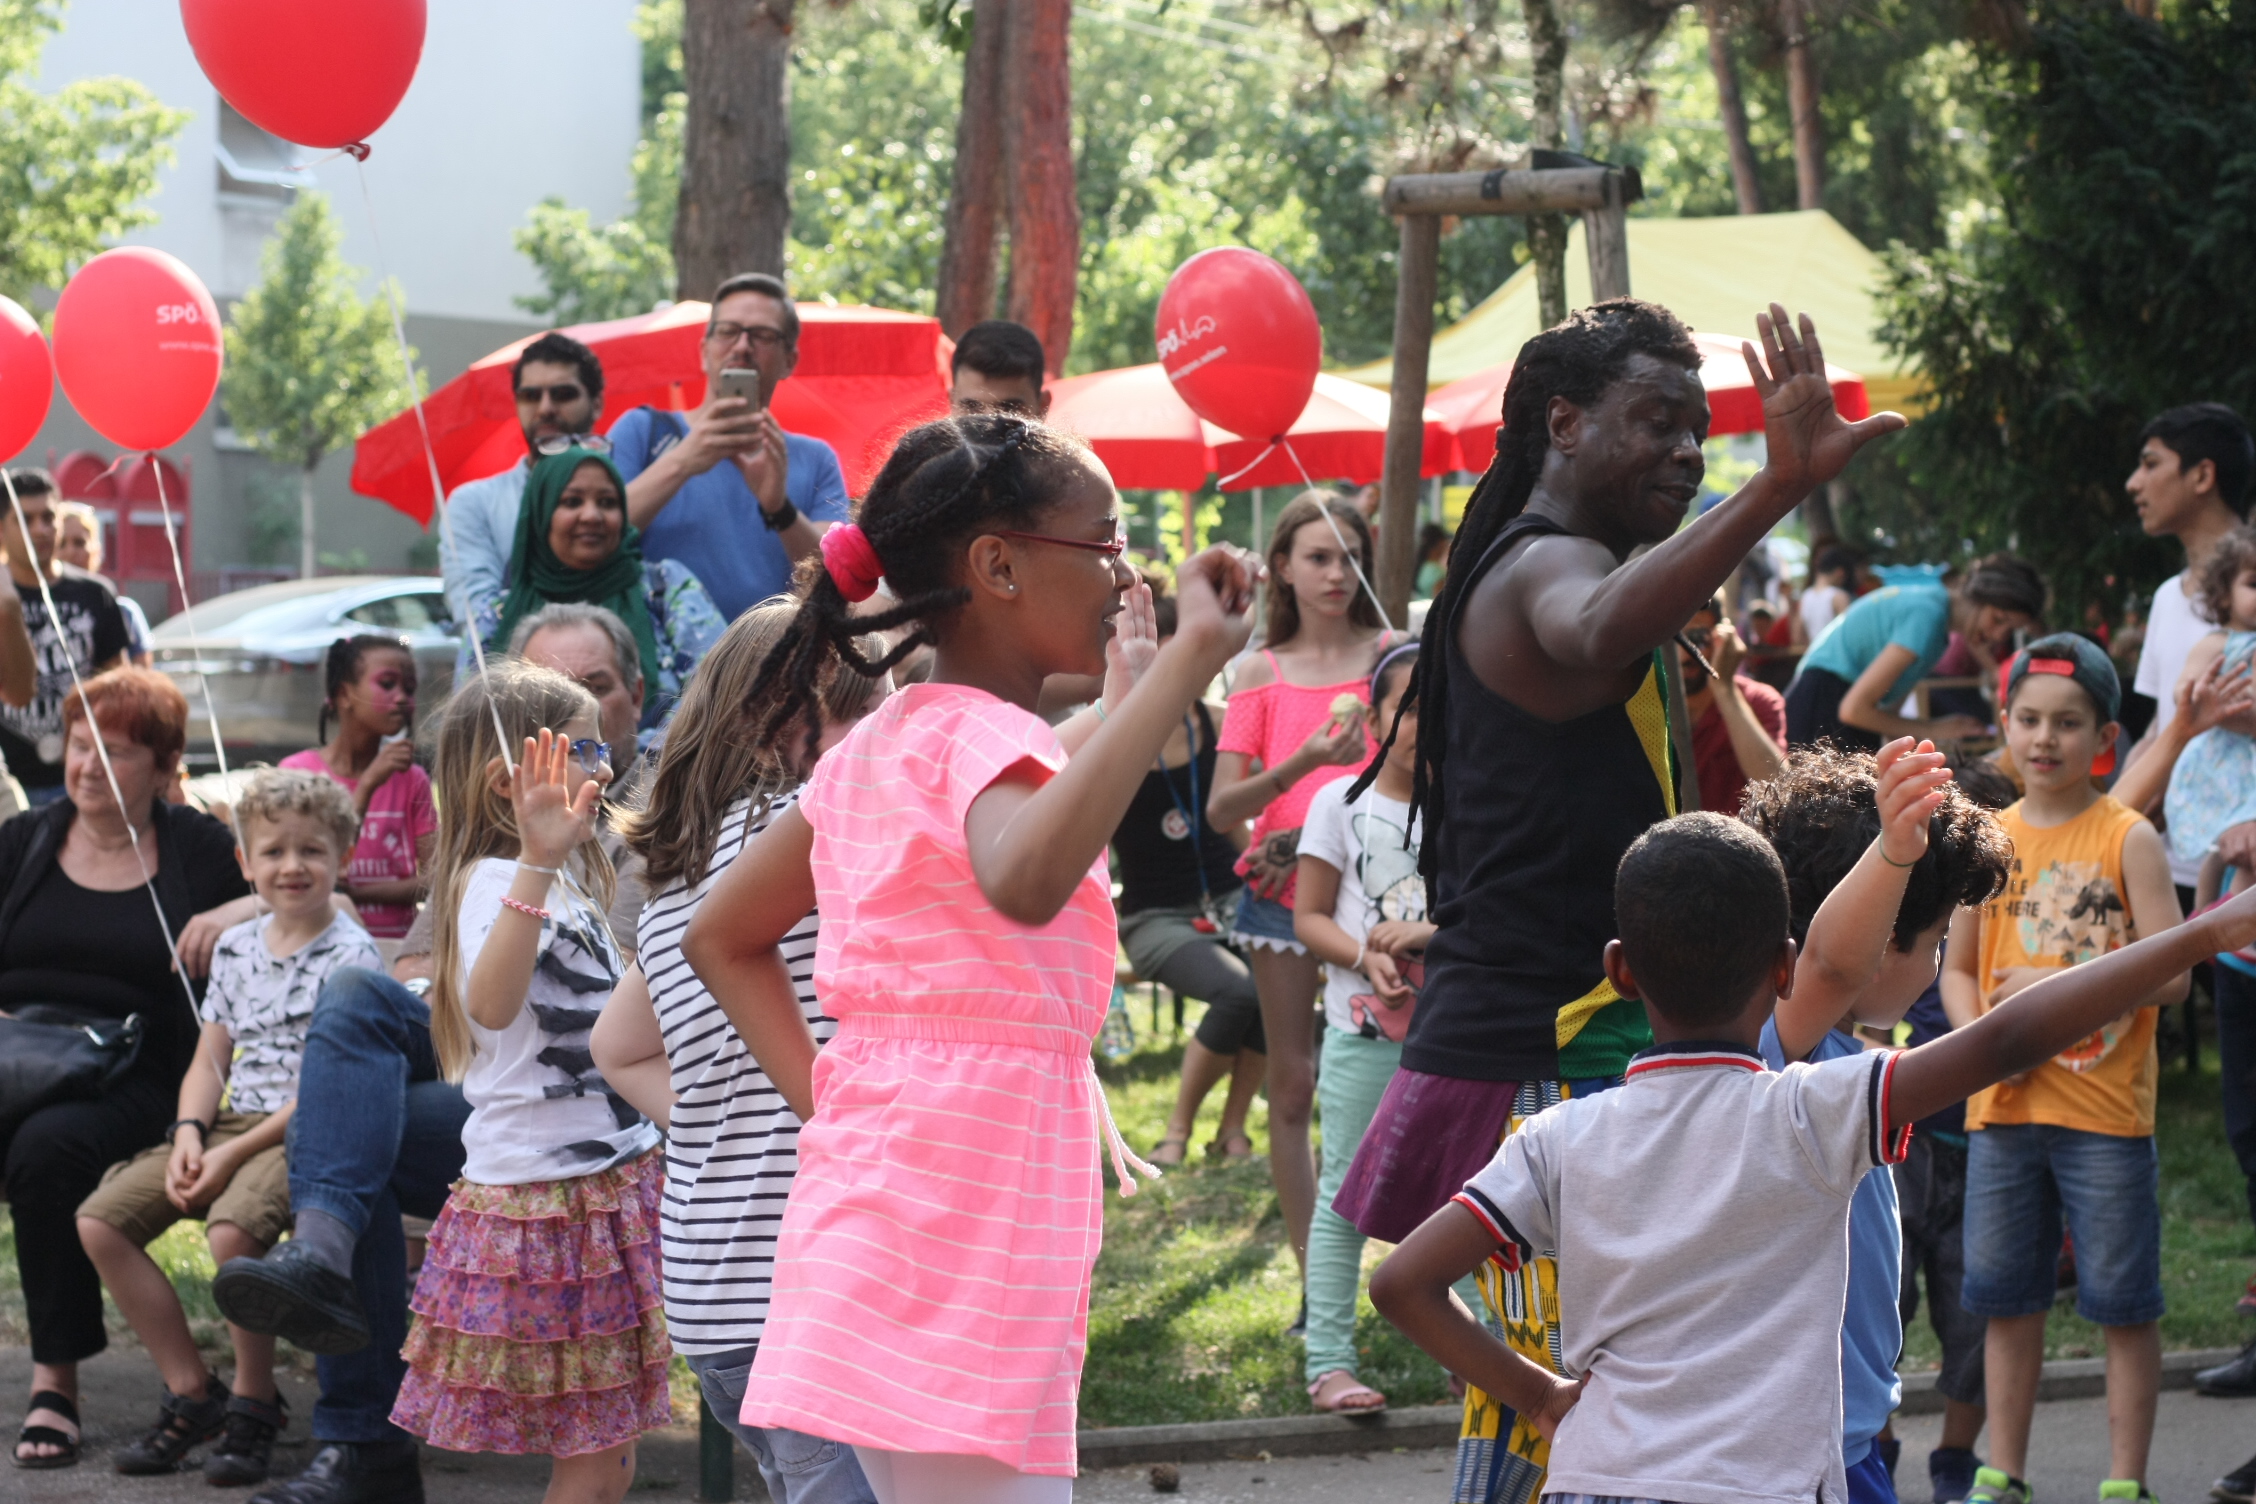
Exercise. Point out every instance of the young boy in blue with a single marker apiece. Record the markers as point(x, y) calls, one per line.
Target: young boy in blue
point(1872, 896)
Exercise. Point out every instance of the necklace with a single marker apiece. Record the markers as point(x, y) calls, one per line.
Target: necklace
point(1204, 924)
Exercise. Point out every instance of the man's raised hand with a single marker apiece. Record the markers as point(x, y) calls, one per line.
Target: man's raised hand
point(1809, 441)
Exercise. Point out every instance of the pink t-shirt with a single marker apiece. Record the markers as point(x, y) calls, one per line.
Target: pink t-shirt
point(400, 814)
point(931, 1278)
point(1269, 722)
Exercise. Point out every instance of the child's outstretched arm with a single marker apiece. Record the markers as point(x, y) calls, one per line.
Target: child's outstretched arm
point(630, 1049)
point(731, 945)
point(551, 821)
point(2045, 1018)
point(1030, 845)
point(1851, 930)
point(1411, 1289)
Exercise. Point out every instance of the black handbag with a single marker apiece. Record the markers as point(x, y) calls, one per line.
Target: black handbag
point(51, 1054)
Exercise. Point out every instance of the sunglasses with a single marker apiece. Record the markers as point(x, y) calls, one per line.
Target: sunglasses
point(1112, 549)
point(558, 443)
point(761, 338)
point(590, 754)
point(563, 394)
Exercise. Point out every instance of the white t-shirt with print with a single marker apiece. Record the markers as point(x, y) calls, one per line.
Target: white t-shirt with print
point(539, 1109)
point(265, 1002)
point(1378, 878)
point(1699, 1213)
point(2172, 629)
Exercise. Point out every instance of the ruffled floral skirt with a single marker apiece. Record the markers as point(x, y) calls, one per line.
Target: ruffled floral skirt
point(539, 1325)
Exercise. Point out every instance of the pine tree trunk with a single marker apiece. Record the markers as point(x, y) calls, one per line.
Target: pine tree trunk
point(1733, 109)
point(305, 524)
point(1547, 233)
point(1045, 215)
point(736, 142)
point(1801, 102)
point(976, 196)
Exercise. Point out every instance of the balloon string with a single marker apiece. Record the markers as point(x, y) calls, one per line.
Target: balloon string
point(196, 653)
point(1354, 560)
point(1266, 450)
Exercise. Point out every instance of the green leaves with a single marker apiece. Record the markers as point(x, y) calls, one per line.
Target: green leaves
point(310, 363)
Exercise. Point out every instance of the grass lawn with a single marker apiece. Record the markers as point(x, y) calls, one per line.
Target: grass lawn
point(1196, 1284)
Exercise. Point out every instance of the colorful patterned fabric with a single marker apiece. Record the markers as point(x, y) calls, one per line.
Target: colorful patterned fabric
point(538, 1326)
point(1500, 1457)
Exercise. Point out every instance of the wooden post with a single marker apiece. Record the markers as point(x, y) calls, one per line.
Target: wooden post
point(1417, 271)
point(1605, 233)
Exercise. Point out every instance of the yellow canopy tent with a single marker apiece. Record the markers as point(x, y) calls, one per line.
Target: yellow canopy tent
point(1716, 274)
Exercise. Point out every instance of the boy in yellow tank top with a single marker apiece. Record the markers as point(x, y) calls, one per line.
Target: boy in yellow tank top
point(2074, 1136)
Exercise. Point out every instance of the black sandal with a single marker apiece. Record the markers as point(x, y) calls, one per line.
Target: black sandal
point(183, 1424)
point(246, 1448)
point(48, 1436)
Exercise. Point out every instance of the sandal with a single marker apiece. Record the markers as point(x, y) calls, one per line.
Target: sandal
point(183, 1424)
point(48, 1436)
point(1233, 1146)
point(1352, 1398)
point(1179, 1142)
point(246, 1447)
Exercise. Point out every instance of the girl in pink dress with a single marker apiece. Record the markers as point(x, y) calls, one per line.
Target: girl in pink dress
point(370, 691)
point(931, 1290)
point(1295, 724)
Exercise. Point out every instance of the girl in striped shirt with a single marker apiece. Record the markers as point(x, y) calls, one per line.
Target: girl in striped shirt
point(931, 1285)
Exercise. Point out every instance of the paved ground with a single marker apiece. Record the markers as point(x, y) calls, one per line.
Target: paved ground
point(2197, 1440)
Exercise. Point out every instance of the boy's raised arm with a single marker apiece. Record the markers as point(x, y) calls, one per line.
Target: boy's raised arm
point(2043, 1019)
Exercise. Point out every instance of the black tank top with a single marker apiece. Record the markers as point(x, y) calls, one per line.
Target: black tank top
point(1535, 818)
point(1159, 857)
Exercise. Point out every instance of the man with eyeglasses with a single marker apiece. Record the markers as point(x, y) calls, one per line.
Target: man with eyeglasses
point(698, 482)
point(559, 387)
point(1738, 724)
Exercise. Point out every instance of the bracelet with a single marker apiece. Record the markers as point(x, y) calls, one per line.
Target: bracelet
point(1891, 861)
point(203, 1129)
point(1274, 779)
point(781, 518)
point(525, 908)
point(543, 871)
point(1100, 710)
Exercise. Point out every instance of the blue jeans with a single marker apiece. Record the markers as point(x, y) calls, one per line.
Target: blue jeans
point(2020, 1180)
point(798, 1468)
point(376, 1133)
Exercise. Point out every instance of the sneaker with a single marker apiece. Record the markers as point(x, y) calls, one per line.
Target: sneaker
point(1994, 1487)
point(2124, 1488)
point(2237, 1486)
point(368, 1472)
point(1951, 1471)
point(2232, 1379)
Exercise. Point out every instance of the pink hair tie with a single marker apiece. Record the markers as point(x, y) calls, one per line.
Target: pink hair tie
point(852, 562)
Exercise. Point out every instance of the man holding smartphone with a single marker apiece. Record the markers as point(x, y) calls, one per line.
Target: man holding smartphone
point(695, 479)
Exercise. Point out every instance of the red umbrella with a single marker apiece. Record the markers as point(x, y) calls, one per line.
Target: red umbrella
point(1150, 439)
point(865, 376)
point(1471, 408)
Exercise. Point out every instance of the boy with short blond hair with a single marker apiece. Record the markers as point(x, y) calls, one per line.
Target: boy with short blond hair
point(227, 1165)
point(2075, 1134)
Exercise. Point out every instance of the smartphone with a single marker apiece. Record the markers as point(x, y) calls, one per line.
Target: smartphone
point(739, 382)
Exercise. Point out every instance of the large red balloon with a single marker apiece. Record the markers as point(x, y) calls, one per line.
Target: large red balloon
point(1240, 341)
point(317, 72)
point(27, 378)
point(137, 344)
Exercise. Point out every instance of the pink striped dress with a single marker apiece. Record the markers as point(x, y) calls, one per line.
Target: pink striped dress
point(932, 1271)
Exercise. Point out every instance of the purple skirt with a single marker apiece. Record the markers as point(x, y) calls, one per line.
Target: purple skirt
point(1428, 1137)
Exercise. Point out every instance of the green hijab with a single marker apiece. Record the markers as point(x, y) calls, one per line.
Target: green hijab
point(540, 578)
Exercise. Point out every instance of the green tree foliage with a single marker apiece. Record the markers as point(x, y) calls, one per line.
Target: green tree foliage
point(75, 164)
point(310, 364)
point(2112, 283)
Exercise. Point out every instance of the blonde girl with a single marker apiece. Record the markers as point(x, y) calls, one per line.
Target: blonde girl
point(538, 1324)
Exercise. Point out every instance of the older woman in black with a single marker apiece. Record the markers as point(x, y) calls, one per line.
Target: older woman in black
point(78, 930)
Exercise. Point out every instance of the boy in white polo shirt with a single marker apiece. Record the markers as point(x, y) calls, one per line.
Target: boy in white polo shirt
point(1700, 1213)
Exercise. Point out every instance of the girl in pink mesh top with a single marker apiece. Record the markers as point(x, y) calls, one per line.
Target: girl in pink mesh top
point(931, 1289)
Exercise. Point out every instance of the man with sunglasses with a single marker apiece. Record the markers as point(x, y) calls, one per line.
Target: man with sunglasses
point(559, 387)
point(699, 482)
point(1738, 724)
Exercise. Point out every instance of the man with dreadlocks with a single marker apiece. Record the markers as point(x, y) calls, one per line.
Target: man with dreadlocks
point(1545, 755)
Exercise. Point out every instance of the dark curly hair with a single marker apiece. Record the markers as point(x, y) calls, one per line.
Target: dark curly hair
point(1822, 813)
point(2234, 554)
point(945, 482)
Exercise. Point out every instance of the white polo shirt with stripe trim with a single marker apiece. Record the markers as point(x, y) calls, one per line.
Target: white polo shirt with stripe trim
point(1699, 1214)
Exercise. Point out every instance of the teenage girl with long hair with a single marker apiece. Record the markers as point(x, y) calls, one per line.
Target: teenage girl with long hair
point(368, 689)
point(931, 1294)
point(538, 1328)
point(1295, 724)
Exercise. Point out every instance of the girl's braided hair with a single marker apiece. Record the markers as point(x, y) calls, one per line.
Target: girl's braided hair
point(945, 482)
point(1575, 360)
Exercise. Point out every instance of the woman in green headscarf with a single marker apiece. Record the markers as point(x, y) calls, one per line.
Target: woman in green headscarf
point(574, 543)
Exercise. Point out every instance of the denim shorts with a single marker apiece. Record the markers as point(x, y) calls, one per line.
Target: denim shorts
point(1266, 922)
point(2021, 1179)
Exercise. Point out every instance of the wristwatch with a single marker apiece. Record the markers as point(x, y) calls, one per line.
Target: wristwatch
point(203, 1129)
point(782, 517)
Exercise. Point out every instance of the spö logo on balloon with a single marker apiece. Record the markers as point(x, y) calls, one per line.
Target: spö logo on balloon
point(178, 313)
point(1177, 337)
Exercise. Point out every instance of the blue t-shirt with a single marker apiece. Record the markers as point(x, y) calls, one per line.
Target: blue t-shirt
point(713, 524)
point(1912, 616)
point(1872, 1324)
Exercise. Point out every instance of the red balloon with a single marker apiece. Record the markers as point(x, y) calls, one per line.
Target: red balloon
point(1239, 339)
point(317, 72)
point(138, 346)
point(27, 378)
